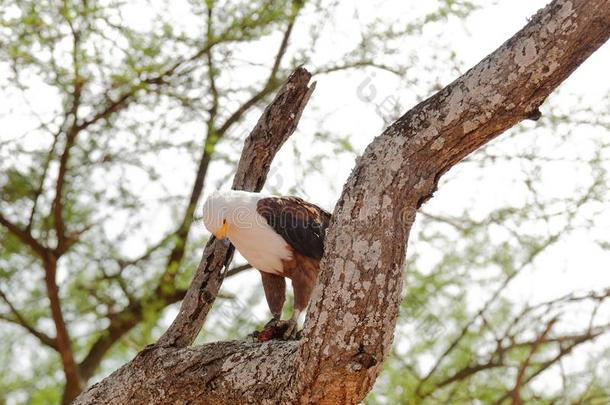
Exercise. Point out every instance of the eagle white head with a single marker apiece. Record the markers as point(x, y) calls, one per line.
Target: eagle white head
point(228, 211)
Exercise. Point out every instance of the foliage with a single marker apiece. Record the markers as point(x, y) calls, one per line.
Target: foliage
point(121, 115)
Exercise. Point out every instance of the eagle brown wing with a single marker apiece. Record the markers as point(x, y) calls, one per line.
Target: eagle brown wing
point(301, 224)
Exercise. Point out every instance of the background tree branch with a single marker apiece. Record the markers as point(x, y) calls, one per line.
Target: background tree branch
point(19, 319)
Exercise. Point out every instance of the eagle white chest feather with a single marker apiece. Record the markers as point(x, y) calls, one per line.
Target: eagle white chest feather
point(255, 240)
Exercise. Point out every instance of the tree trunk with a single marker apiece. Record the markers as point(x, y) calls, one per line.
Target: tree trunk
point(351, 319)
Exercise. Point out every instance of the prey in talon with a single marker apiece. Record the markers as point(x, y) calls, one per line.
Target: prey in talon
point(282, 237)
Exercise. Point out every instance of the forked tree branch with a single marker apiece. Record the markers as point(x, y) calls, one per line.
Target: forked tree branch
point(353, 312)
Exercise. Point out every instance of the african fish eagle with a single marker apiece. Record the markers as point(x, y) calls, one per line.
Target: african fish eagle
point(282, 237)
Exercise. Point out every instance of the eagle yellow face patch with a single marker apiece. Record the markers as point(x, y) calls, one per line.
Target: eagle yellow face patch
point(222, 232)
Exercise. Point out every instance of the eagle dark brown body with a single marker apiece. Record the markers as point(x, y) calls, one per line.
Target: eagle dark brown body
point(303, 226)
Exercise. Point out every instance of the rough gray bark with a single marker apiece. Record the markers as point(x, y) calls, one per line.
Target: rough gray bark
point(353, 312)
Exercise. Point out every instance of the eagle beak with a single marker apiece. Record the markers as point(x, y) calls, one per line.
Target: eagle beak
point(222, 232)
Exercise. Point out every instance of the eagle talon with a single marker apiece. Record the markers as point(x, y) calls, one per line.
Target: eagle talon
point(277, 329)
point(273, 322)
point(270, 331)
point(291, 332)
point(254, 336)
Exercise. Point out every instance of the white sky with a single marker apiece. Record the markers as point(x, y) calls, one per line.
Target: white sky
point(576, 264)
